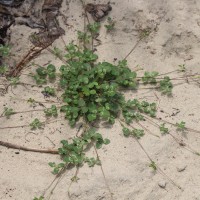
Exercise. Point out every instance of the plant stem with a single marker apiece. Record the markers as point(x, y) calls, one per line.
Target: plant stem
point(104, 176)
point(134, 47)
point(18, 147)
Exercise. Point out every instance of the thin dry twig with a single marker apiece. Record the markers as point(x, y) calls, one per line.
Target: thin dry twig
point(177, 140)
point(134, 47)
point(59, 176)
point(18, 147)
point(104, 176)
point(72, 181)
point(152, 161)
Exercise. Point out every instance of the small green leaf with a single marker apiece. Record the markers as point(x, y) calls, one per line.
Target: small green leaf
point(51, 75)
point(40, 80)
point(51, 111)
point(106, 141)
point(81, 102)
point(52, 164)
point(8, 112)
point(49, 91)
point(83, 37)
point(85, 109)
point(163, 129)
point(153, 165)
point(41, 71)
point(182, 68)
point(181, 126)
point(86, 91)
point(150, 77)
point(36, 124)
point(104, 113)
point(91, 117)
point(56, 170)
point(110, 24)
point(126, 131)
point(98, 145)
point(166, 86)
point(92, 91)
point(51, 68)
point(94, 28)
point(138, 133)
point(30, 100)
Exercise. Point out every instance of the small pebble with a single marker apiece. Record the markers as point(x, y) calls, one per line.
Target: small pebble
point(181, 168)
point(162, 184)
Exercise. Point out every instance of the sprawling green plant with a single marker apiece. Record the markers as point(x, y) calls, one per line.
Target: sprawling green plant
point(93, 91)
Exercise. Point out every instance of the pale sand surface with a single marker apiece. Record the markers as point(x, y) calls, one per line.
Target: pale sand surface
point(175, 40)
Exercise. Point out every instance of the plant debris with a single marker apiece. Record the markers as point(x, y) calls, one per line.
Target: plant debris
point(11, 2)
point(50, 11)
point(34, 15)
point(6, 20)
point(98, 11)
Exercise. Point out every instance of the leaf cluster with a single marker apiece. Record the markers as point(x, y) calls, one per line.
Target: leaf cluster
point(150, 77)
point(8, 112)
point(3, 69)
point(181, 126)
point(153, 165)
point(133, 109)
point(51, 112)
point(43, 73)
point(164, 130)
point(49, 91)
point(57, 52)
point(94, 28)
point(92, 90)
point(164, 85)
point(182, 68)
point(137, 133)
point(36, 124)
point(83, 37)
point(14, 81)
point(4, 50)
point(74, 153)
point(110, 24)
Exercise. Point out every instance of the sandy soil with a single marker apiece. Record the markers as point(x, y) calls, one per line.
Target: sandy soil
point(175, 40)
